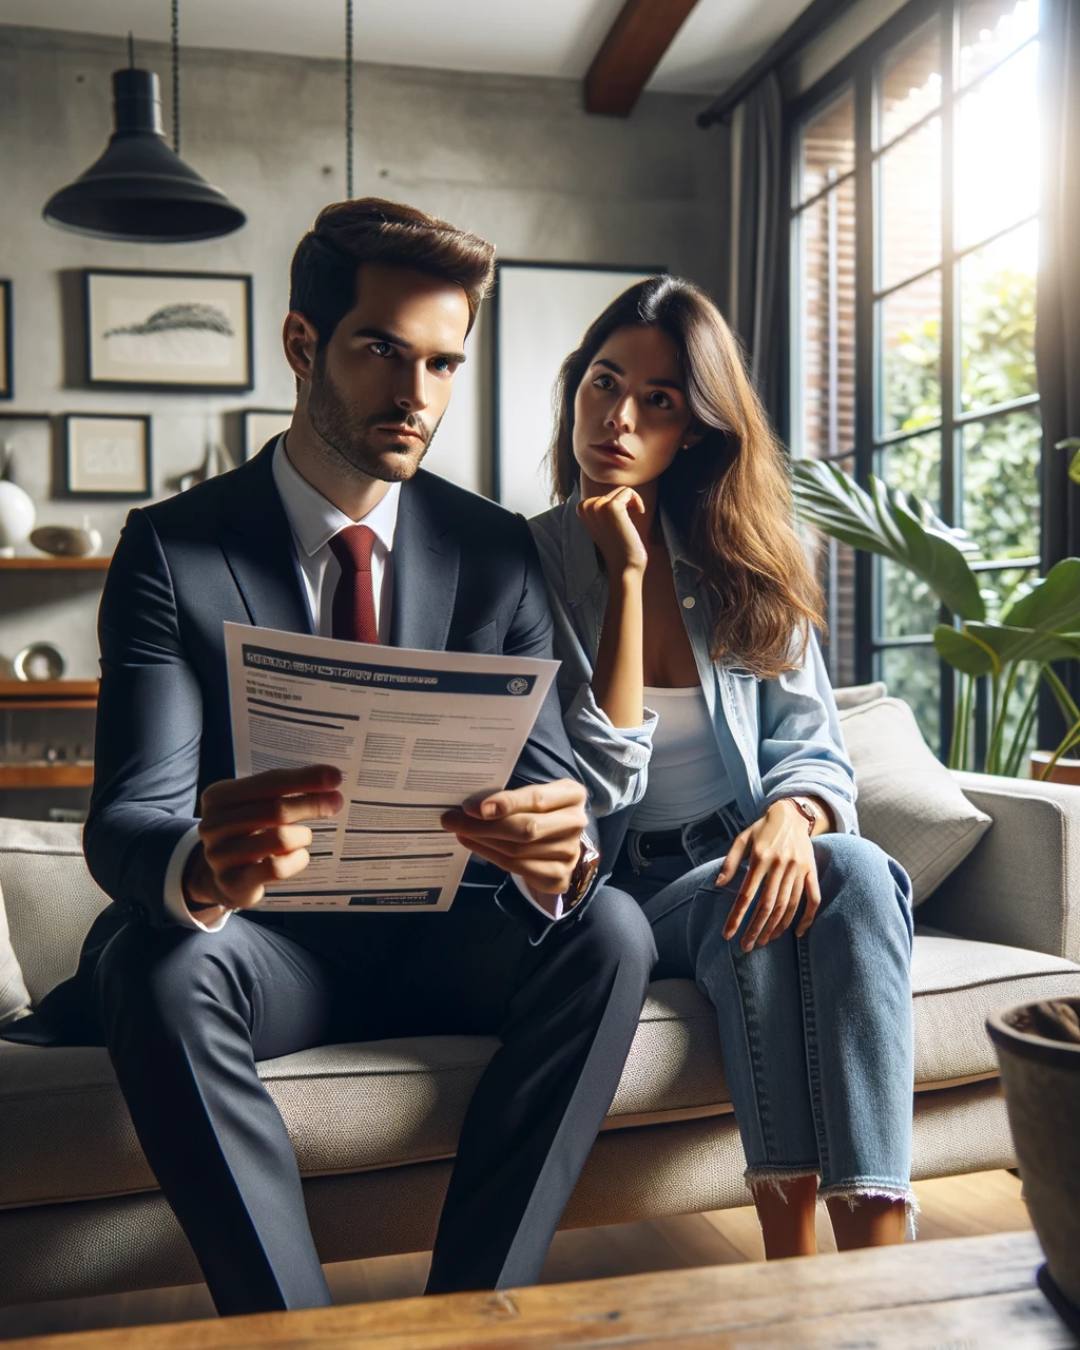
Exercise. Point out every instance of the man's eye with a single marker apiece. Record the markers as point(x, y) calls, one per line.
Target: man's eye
point(382, 349)
point(444, 365)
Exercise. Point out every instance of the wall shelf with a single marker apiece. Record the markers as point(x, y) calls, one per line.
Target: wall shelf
point(46, 775)
point(48, 694)
point(54, 564)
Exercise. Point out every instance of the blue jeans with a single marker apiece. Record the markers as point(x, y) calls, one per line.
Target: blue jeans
point(816, 1032)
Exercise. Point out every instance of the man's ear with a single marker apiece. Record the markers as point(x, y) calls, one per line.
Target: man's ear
point(300, 339)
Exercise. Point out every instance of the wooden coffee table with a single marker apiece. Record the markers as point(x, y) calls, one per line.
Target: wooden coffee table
point(964, 1294)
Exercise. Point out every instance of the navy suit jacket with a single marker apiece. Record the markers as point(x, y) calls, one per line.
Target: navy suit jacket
point(466, 578)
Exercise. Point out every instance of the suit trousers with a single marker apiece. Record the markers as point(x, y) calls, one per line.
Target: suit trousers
point(187, 1014)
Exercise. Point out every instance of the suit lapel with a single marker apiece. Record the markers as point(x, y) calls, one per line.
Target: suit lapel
point(426, 558)
point(258, 546)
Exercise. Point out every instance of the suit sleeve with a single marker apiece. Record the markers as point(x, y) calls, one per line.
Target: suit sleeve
point(547, 754)
point(149, 729)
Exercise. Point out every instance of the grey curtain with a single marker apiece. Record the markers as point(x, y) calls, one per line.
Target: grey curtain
point(757, 287)
point(1057, 333)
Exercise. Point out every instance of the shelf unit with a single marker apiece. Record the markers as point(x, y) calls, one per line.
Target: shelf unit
point(65, 775)
point(54, 564)
point(61, 695)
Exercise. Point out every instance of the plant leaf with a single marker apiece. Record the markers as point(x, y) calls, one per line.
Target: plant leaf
point(882, 521)
point(962, 652)
point(1052, 603)
point(1010, 643)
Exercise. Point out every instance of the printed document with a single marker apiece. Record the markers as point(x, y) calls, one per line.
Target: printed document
point(414, 734)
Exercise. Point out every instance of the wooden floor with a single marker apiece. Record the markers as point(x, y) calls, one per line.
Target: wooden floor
point(985, 1202)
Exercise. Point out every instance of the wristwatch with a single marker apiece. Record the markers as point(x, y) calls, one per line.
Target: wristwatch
point(808, 811)
point(582, 876)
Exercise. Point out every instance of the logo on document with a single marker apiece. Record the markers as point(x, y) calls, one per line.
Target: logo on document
point(518, 685)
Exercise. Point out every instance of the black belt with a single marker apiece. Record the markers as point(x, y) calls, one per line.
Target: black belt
point(659, 843)
point(668, 843)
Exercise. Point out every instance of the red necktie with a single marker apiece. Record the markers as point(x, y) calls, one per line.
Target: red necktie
point(353, 610)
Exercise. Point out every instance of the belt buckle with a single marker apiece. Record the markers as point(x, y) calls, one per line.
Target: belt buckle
point(633, 848)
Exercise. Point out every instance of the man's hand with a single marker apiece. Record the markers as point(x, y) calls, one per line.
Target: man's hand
point(533, 832)
point(250, 834)
point(781, 869)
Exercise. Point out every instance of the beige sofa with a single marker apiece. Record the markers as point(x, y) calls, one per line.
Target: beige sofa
point(375, 1124)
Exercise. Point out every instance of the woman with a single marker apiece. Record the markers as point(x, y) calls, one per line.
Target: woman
point(701, 715)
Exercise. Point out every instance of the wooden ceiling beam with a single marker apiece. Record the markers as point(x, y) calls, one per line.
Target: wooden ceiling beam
point(632, 50)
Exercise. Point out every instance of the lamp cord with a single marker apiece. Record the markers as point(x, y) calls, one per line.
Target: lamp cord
point(176, 75)
point(348, 98)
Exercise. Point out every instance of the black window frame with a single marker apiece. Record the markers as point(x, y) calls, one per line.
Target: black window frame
point(859, 72)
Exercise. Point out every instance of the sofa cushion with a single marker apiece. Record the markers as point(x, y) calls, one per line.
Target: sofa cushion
point(14, 999)
point(65, 1133)
point(51, 898)
point(909, 804)
point(852, 695)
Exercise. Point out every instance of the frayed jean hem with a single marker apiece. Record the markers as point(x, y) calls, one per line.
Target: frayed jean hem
point(852, 1192)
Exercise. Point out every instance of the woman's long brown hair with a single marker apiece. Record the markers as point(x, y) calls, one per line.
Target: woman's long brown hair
point(730, 494)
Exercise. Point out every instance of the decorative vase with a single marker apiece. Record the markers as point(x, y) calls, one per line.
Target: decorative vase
point(16, 517)
point(67, 541)
point(1040, 1071)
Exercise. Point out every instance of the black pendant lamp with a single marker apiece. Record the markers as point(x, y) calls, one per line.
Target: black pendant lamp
point(140, 190)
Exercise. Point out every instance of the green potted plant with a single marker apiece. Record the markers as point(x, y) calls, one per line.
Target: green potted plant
point(1039, 627)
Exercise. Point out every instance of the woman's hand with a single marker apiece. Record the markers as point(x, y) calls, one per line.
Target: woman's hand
point(610, 522)
point(781, 868)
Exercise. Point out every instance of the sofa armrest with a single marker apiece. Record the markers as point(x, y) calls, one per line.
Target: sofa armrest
point(1020, 886)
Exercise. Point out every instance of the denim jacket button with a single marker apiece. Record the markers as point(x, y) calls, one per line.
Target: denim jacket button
point(689, 602)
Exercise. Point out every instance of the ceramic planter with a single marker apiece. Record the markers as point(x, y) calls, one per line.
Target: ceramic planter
point(1041, 1077)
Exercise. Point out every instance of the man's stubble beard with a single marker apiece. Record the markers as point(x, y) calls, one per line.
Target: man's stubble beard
point(349, 445)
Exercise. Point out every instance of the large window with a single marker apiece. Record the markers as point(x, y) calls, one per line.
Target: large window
point(915, 239)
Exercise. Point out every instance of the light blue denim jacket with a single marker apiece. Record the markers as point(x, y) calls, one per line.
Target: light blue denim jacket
point(776, 737)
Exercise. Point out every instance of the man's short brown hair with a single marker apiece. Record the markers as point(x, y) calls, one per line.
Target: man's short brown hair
point(369, 230)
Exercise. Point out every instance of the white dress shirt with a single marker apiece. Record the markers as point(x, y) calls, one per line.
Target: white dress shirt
point(314, 521)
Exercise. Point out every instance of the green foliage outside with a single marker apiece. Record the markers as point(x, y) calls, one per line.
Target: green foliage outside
point(999, 475)
point(1012, 654)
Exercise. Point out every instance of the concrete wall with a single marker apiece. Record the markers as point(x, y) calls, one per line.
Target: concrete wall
point(514, 159)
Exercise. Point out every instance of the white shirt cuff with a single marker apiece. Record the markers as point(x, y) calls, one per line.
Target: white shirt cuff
point(175, 907)
point(547, 913)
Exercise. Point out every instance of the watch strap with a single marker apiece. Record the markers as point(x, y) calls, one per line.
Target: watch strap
point(583, 874)
point(807, 811)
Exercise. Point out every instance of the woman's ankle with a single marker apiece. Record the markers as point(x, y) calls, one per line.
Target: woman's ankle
point(785, 1209)
point(871, 1221)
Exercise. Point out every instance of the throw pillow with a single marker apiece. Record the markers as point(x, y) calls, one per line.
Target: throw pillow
point(909, 804)
point(14, 999)
point(851, 695)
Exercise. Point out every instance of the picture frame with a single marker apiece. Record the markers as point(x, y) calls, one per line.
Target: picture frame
point(541, 310)
point(259, 425)
point(7, 362)
point(181, 332)
point(107, 455)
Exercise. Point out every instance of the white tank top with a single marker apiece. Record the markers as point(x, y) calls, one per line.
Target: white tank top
point(687, 778)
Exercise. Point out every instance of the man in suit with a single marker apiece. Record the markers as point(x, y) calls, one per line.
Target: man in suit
point(335, 529)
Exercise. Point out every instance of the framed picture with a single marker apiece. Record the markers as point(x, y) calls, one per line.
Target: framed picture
point(541, 312)
point(260, 425)
point(107, 455)
point(181, 331)
point(7, 380)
